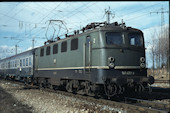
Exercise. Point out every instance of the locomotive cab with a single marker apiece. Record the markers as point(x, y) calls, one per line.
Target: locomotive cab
point(123, 51)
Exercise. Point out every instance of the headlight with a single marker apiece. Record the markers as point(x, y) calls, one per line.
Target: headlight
point(111, 59)
point(142, 59)
point(111, 62)
point(142, 65)
point(111, 65)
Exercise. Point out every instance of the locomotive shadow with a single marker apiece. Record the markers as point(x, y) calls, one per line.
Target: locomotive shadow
point(157, 93)
point(29, 88)
point(10, 104)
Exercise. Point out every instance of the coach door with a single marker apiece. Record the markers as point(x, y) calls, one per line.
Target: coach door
point(36, 63)
point(87, 54)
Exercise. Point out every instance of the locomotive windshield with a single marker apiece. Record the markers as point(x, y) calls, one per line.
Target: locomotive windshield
point(114, 38)
point(135, 39)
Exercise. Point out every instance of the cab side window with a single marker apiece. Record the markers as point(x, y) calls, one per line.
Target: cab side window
point(74, 44)
point(42, 52)
point(55, 49)
point(64, 46)
point(48, 50)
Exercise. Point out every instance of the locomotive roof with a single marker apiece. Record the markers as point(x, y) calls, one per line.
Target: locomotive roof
point(88, 29)
point(106, 27)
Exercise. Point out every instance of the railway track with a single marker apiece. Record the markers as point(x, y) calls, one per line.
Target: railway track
point(137, 106)
point(162, 81)
point(149, 104)
point(129, 105)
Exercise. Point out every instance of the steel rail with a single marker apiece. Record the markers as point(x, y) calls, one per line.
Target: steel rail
point(162, 81)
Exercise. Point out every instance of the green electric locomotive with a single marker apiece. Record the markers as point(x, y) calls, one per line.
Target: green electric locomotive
point(103, 59)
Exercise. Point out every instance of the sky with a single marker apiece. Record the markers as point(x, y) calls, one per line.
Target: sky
point(23, 22)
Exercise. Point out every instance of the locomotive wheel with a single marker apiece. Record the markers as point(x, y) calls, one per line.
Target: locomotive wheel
point(87, 89)
point(139, 88)
point(51, 86)
point(69, 86)
point(110, 89)
point(41, 86)
point(120, 90)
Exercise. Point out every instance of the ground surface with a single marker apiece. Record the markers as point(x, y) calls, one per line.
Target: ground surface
point(9, 104)
point(17, 98)
point(14, 98)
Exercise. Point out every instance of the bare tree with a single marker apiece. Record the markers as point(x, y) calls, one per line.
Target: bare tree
point(153, 50)
point(160, 49)
point(162, 52)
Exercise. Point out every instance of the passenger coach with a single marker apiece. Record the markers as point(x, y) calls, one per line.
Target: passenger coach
point(19, 67)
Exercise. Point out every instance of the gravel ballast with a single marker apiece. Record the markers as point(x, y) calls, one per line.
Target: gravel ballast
point(40, 101)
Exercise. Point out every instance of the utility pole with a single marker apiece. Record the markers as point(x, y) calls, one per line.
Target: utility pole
point(162, 16)
point(33, 42)
point(16, 49)
point(162, 23)
point(108, 13)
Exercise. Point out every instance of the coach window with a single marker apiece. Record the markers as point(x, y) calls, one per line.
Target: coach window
point(23, 62)
point(8, 64)
point(3, 65)
point(20, 62)
point(29, 61)
point(74, 44)
point(26, 61)
point(48, 50)
point(55, 49)
point(64, 46)
point(42, 52)
point(15, 63)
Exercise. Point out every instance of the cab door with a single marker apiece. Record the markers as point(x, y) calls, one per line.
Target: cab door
point(88, 51)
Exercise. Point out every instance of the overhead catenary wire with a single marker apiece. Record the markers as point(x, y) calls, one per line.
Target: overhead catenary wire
point(69, 16)
point(17, 13)
point(50, 12)
point(134, 12)
point(10, 11)
point(32, 29)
